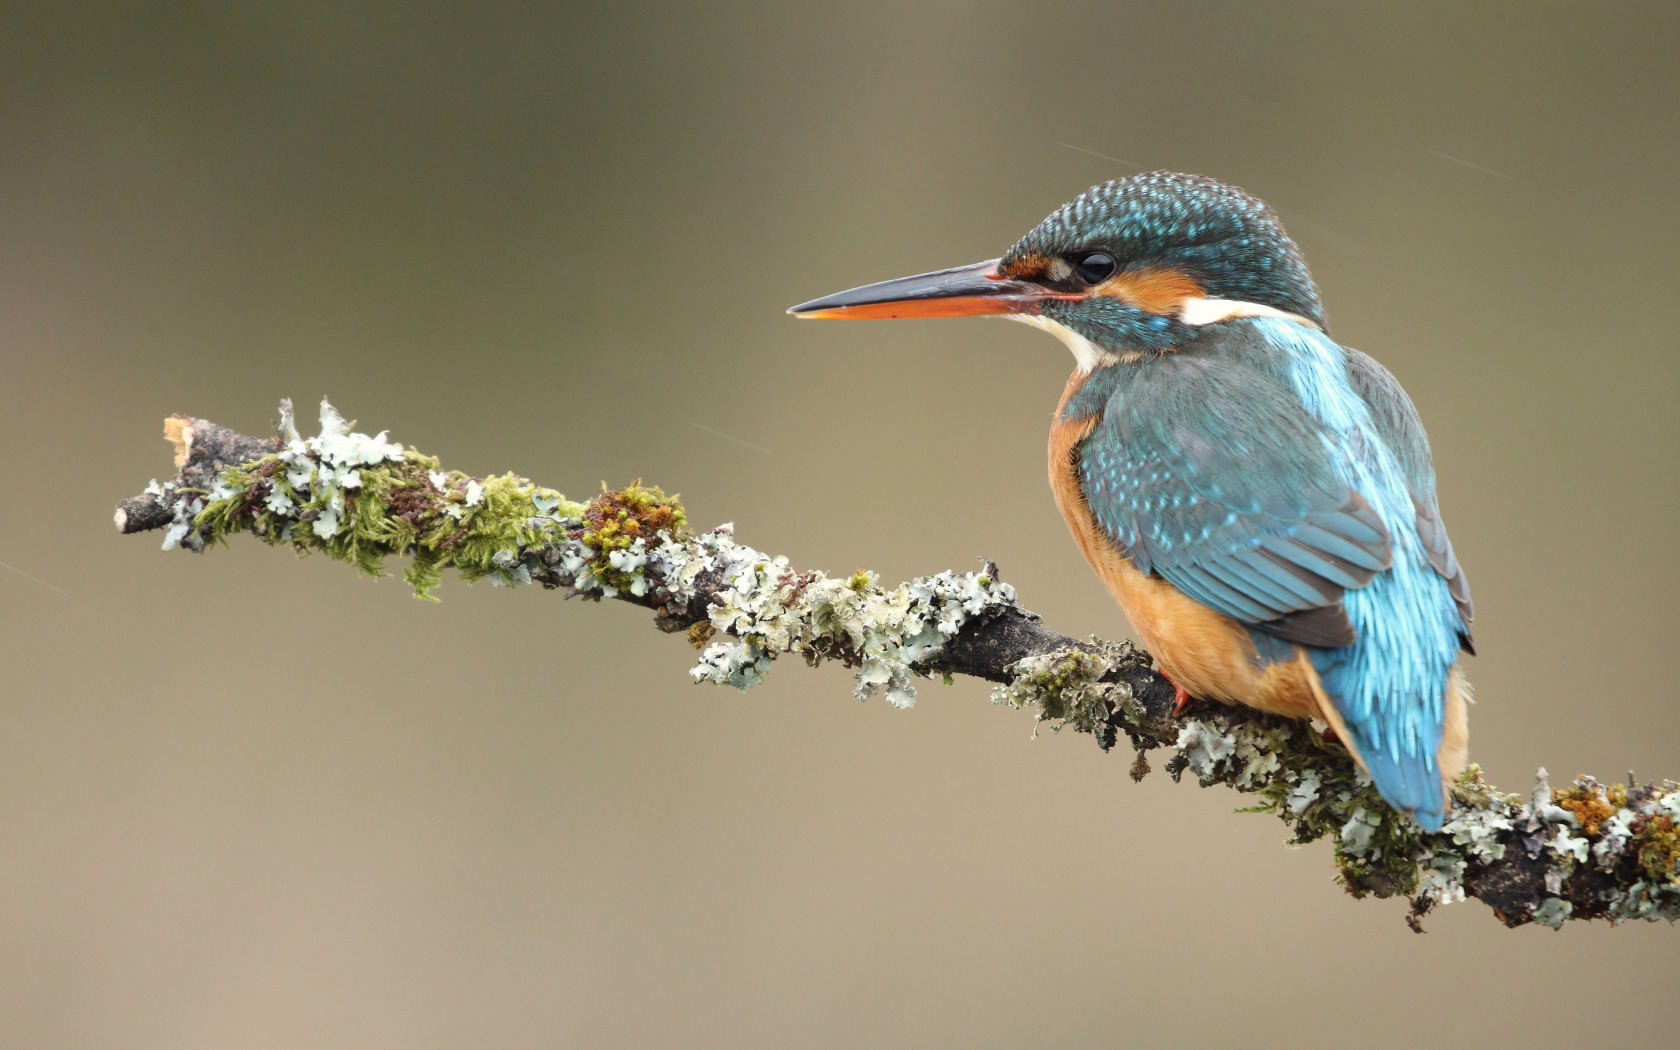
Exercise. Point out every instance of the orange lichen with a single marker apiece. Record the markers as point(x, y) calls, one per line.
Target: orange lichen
point(1591, 805)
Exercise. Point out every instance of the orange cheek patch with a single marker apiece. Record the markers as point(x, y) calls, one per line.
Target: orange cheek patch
point(1155, 290)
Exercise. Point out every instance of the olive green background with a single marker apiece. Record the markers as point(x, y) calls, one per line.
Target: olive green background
point(251, 801)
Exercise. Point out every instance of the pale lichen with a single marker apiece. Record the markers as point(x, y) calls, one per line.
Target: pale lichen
point(1066, 687)
point(1585, 851)
point(765, 609)
point(1553, 912)
point(1310, 783)
point(1317, 788)
point(362, 499)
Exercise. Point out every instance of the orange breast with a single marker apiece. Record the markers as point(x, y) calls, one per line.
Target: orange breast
point(1209, 654)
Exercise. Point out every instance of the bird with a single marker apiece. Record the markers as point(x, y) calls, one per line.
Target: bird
point(1259, 500)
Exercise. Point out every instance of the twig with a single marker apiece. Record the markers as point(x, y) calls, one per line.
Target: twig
point(1586, 851)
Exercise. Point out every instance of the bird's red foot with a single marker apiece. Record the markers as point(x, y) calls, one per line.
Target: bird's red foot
point(1181, 698)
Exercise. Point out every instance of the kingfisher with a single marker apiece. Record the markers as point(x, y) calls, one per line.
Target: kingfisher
point(1258, 499)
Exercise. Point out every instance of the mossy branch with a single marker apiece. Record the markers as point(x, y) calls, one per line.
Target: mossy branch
point(1583, 852)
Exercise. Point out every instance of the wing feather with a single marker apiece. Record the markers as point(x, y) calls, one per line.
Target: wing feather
point(1402, 430)
point(1211, 474)
point(1326, 626)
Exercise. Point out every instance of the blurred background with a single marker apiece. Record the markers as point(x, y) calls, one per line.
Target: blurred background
point(252, 801)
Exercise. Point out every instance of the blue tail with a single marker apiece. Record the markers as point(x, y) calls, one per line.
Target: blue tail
point(1390, 685)
point(1395, 721)
point(1411, 783)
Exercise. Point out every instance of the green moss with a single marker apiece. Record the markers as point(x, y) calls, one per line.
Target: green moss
point(479, 528)
point(1656, 844)
point(242, 509)
point(617, 518)
point(424, 574)
point(1472, 790)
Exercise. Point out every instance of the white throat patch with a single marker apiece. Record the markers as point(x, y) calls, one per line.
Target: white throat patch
point(1087, 355)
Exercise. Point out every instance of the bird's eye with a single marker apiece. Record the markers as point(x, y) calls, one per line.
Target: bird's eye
point(1094, 267)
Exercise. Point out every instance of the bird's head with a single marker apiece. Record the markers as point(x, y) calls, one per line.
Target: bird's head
point(1127, 268)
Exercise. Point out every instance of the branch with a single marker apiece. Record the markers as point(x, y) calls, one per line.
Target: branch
point(1587, 851)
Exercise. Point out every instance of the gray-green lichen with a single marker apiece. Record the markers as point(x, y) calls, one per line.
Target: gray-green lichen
point(1626, 833)
point(1311, 784)
point(1586, 851)
point(1617, 844)
point(1628, 836)
point(1067, 690)
point(362, 499)
point(767, 609)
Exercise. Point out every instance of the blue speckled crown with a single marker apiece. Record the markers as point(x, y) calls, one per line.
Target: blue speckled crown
point(1231, 242)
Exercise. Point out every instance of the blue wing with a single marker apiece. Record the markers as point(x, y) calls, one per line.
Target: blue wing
point(1210, 472)
point(1285, 482)
point(1397, 420)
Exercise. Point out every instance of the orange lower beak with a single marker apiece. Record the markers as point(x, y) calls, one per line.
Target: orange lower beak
point(967, 291)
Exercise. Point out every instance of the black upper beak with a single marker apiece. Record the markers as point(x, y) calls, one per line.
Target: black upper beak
point(966, 291)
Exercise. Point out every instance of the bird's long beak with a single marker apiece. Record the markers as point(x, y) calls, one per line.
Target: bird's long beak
point(966, 291)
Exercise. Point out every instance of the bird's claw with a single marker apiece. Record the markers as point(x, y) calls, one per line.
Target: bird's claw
point(1181, 697)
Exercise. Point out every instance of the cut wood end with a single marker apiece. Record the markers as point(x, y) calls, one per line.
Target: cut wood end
point(179, 431)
